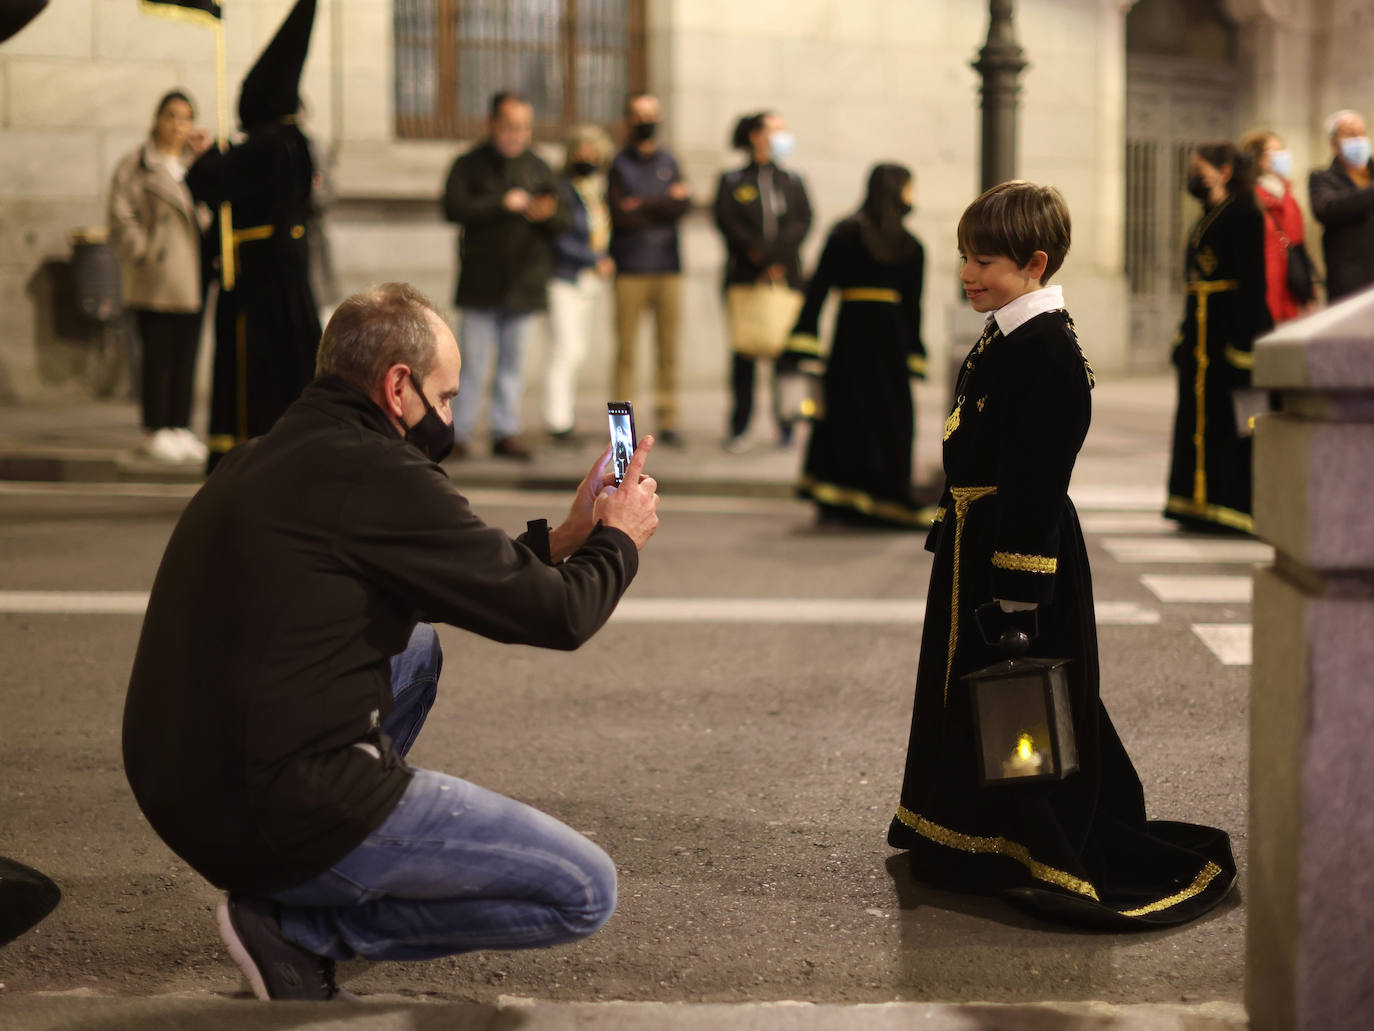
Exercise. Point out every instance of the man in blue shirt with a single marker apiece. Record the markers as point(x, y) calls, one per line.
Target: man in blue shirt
point(647, 195)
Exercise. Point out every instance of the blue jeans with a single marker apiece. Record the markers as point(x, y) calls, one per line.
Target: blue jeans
point(482, 331)
point(454, 867)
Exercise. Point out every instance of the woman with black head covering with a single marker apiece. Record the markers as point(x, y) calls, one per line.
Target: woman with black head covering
point(1225, 309)
point(858, 463)
point(764, 214)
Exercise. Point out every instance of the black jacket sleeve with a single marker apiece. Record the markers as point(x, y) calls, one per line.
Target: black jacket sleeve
point(651, 211)
point(467, 203)
point(1333, 202)
point(805, 341)
point(741, 235)
point(911, 304)
point(1044, 405)
point(410, 530)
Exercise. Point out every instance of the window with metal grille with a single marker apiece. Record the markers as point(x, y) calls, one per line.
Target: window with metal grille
point(575, 59)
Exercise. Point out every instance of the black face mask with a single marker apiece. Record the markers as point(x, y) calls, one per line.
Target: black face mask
point(644, 131)
point(581, 169)
point(1197, 186)
point(431, 434)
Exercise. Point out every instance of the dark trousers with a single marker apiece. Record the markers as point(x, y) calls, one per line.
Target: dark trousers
point(742, 384)
point(170, 342)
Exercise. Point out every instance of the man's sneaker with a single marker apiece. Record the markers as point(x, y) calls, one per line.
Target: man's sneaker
point(670, 438)
point(274, 967)
point(512, 447)
point(737, 444)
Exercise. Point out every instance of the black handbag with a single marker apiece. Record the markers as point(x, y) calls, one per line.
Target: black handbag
point(1302, 274)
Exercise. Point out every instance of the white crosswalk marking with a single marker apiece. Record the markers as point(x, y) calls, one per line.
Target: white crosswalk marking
point(1119, 498)
point(1175, 588)
point(1229, 642)
point(1189, 550)
point(1126, 523)
point(75, 602)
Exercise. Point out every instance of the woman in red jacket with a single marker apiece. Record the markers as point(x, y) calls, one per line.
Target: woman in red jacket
point(1282, 221)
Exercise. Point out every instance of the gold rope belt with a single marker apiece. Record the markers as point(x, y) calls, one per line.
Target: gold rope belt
point(870, 293)
point(963, 497)
point(1203, 289)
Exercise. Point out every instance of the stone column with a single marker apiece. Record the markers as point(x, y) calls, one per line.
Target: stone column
point(1310, 937)
point(1000, 64)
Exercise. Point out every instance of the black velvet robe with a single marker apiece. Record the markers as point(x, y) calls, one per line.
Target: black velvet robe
point(1079, 849)
point(267, 328)
point(859, 457)
point(1209, 476)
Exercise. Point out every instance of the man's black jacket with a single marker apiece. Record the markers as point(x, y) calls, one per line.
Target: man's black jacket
point(292, 577)
point(1346, 212)
point(757, 237)
point(504, 259)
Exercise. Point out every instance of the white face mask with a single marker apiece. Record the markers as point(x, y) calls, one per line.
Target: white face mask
point(1281, 163)
point(1355, 151)
point(782, 143)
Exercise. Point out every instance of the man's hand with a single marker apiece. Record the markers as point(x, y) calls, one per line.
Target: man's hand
point(631, 203)
point(632, 507)
point(516, 200)
point(605, 267)
point(679, 191)
point(541, 208)
point(199, 141)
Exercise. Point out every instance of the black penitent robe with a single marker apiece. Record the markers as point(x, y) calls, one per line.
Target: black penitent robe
point(858, 460)
point(267, 327)
point(1209, 476)
point(1079, 849)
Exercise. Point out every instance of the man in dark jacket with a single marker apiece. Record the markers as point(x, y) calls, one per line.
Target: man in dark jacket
point(646, 194)
point(506, 200)
point(1343, 202)
point(282, 675)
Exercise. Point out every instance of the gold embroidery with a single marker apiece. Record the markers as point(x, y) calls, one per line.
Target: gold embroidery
point(804, 343)
point(1203, 289)
point(1214, 513)
point(981, 402)
point(186, 14)
point(1024, 563)
point(1240, 359)
point(746, 194)
point(963, 497)
point(297, 232)
point(915, 364)
point(1206, 260)
point(870, 293)
point(952, 423)
point(998, 846)
point(221, 442)
point(1200, 882)
point(848, 497)
point(940, 514)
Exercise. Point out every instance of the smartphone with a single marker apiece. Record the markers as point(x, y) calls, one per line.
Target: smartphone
point(623, 440)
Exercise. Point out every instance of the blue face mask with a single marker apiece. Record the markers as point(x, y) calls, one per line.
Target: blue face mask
point(1355, 151)
point(782, 144)
point(1281, 163)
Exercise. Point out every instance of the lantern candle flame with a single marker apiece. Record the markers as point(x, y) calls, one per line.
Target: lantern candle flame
point(1025, 761)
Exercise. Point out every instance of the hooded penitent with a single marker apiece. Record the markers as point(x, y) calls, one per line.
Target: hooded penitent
point(269, 91)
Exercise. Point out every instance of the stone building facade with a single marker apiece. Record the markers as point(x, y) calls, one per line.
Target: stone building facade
point(859, 81)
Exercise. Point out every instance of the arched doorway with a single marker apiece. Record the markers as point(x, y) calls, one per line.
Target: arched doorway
point(1181, 82)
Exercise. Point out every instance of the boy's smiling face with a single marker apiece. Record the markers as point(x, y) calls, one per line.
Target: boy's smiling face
point(990, 281)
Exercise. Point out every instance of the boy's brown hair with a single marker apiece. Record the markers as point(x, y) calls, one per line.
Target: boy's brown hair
point(1014, 220)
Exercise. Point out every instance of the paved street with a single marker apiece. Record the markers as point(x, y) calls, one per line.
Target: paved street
point(734, 739)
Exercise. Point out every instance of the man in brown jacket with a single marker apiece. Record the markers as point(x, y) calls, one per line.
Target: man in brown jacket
point(284, 672)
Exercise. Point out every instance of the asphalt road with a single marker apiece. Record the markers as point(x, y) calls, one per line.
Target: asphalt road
point(741, 772)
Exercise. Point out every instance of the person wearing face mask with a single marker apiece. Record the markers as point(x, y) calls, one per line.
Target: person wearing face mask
point(858, 460)
point(1343, 202)
point(647, 196)
point(581, 268)
point(287, 664)
point(764, 214)
point(1283, 229)
point(1225, 310)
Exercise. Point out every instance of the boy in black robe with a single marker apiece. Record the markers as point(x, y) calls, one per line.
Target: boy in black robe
point(1077, 849)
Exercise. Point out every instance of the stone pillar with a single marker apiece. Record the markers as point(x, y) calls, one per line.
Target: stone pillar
point(1310, 937)
point(1000, 64)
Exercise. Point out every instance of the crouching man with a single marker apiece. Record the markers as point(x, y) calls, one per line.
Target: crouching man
point(287, 664)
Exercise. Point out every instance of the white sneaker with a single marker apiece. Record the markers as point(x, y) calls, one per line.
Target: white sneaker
point(163, 446)
point(192, 447)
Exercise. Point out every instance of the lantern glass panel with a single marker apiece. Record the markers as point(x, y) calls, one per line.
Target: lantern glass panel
point(1066, 744)
point(1015, 727)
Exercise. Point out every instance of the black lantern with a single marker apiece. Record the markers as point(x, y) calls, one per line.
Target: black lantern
point(801, 391)
point(1022, 720)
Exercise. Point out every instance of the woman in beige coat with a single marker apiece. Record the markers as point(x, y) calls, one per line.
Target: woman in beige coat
point(155, 227)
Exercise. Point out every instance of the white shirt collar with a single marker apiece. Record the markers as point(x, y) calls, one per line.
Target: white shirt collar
point(1015, 314)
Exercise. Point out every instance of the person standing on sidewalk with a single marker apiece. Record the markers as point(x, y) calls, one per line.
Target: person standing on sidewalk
point(155, 226)
point(505, 198)
point(581, 267)
point(764, 214)
point(1343, 202)
point(1283, 230)
point(647, 197)
point(282, 673)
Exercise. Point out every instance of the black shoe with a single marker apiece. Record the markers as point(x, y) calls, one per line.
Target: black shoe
point(670, 438)
point(512, 447)
point(564, 438)
point(274, 967)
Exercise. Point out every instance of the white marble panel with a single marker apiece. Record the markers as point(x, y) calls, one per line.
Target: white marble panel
point(49, 163)
point(54, 92)
point(63, 29)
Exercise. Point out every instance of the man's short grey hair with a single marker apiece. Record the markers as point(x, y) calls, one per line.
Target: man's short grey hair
point(374, 330)
point(1333, 123)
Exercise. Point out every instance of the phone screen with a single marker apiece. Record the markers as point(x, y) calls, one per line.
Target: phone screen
point(622, 418)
